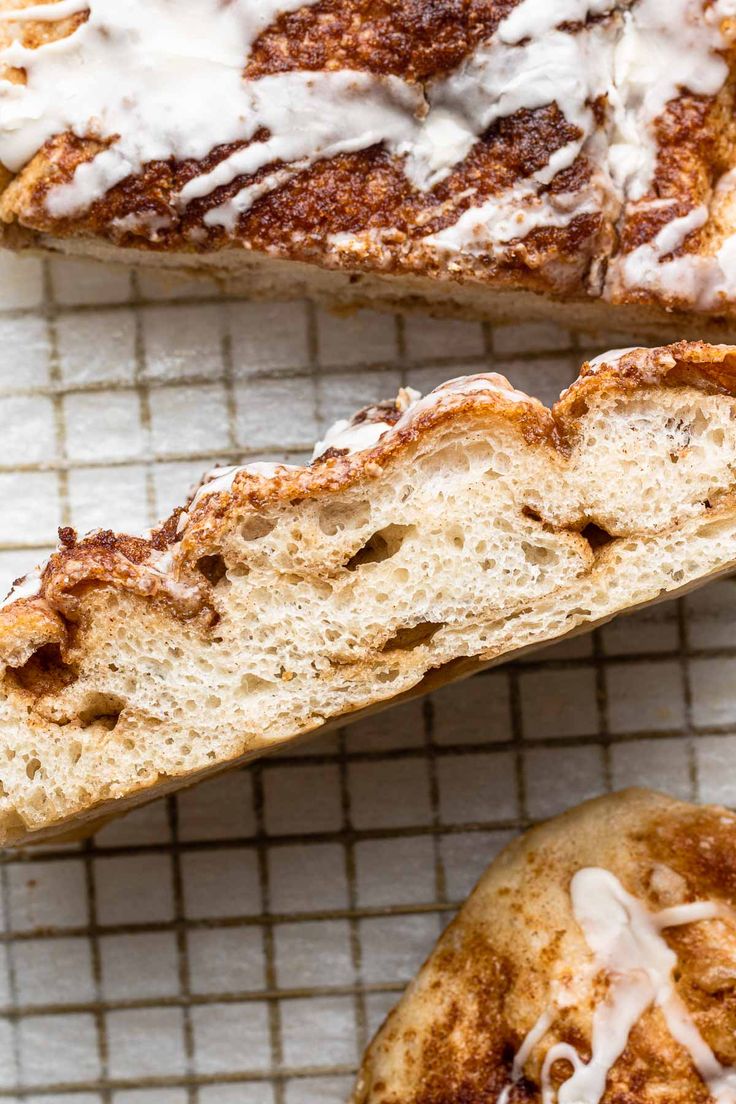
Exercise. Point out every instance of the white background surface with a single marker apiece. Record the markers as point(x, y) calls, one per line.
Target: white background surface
point(238, 944)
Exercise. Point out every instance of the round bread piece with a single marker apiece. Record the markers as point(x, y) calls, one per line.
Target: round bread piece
point(628, 898)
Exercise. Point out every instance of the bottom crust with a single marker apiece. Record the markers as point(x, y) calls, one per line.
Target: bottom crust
point(259, 276)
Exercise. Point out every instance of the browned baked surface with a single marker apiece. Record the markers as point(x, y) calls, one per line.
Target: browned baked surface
point(367, 194)
point(516, 949)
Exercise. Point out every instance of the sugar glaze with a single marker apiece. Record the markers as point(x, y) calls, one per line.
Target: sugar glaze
point(163, 79)
point(626, 943)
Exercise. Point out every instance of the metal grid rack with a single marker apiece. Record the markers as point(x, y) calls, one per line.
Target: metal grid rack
point(240, 942)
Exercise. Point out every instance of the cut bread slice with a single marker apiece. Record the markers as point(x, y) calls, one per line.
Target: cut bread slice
point(560, 158)
point(595, 963)
point(429, 538)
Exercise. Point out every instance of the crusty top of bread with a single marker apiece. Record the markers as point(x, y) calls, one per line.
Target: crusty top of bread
point(165, 565)
point(429, 537)
point(517, 956)
point(576, 147)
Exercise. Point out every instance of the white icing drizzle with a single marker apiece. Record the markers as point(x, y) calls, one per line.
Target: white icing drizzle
point(28, 587)
point(641, 64)
point(220, 480)
point(690, 277)
point(362, 435)
point(484, 382)
point(161, 79)
point(626, 942)
point(666, 46)
point(508, 217)
point(46, 13)
point(612, 357)
point(143, 222)
point(312, 116)
point(353, 438)
point(704, 279)
point(359, 433)
point(528, 64)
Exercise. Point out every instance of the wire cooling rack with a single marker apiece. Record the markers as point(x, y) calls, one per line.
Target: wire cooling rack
point(238, 944)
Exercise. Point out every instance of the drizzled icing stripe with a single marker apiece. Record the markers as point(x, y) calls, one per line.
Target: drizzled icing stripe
point(45, 13)
point(176, 84)
point(162, 79)
point(626, 943)
point(704, 279)
point(27, 587)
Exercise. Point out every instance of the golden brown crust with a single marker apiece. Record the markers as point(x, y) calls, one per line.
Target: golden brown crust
point(415, 40)
point(366, 191)
point(133, 563)
point(354, 193)
point(453, 1038)
point(696, 139)
point(348, 194)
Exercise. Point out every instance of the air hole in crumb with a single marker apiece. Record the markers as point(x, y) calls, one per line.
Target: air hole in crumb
point(530, 512)
point(538, 553)
point(596, 537)
point(337, 516)
point(45, 672)
point(101, 709)
point(381, 546)
point(413, 636)
point(251, 684)
point(255, 528)
point(457, 537)
point(451, 458)
point(33, 766)
point(212, 567)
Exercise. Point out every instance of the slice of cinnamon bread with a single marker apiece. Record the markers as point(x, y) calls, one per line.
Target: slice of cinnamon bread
point(429, 538)
point(481, 157)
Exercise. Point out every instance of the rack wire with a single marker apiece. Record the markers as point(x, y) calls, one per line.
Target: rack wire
point(240, 942)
